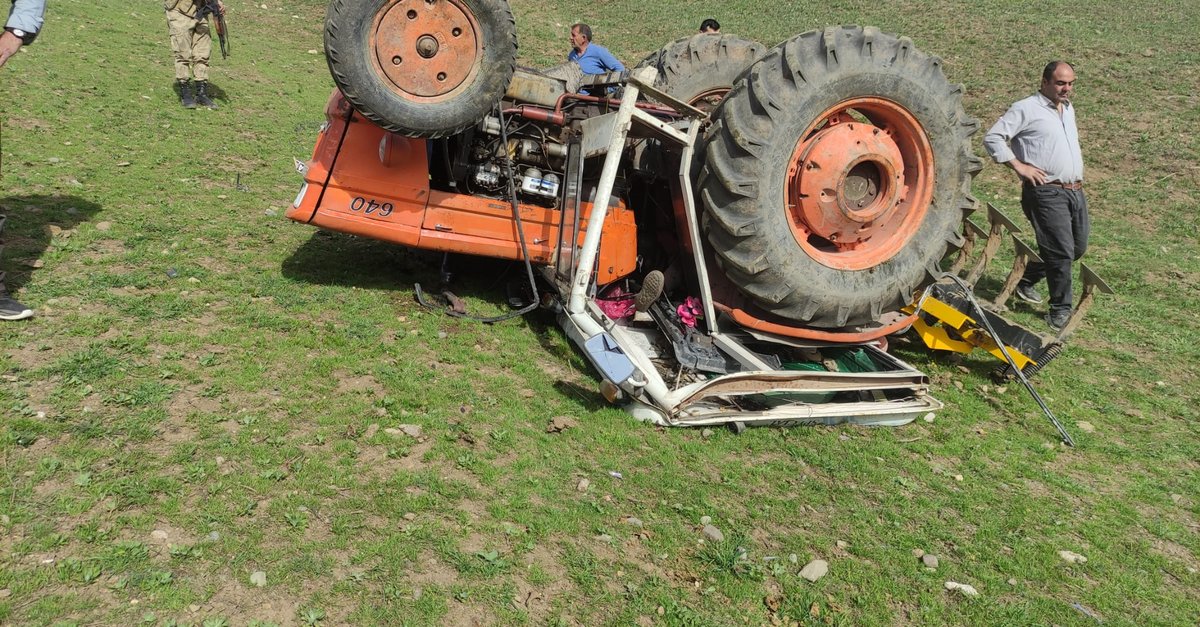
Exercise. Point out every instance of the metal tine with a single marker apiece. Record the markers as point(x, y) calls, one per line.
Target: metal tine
point(1092, 283)
point(999, 223)
point(971, 234)
point(1092, 280)
point(1025, 255)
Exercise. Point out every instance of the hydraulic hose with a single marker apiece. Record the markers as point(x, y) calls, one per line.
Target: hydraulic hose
point(516, 210)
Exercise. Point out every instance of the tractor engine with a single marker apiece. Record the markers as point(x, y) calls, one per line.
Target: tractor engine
point(538, 159)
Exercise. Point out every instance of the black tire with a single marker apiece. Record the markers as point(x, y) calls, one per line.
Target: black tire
point(458, 57)
point(744, 183)
point(700, 69)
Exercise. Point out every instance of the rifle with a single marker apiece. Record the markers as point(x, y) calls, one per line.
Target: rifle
point(213, 8)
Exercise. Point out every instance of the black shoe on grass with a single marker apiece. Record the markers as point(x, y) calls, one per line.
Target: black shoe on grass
point(1028, 294)
point(12, 310)
point(1058, 319)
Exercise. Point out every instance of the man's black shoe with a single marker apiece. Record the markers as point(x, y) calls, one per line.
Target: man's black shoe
point(1058, 319)
point(12, 310)
point(1028, 294)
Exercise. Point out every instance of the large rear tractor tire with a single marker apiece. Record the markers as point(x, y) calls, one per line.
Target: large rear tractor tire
point(836, 175)
point(421, 68)
point(702, 68)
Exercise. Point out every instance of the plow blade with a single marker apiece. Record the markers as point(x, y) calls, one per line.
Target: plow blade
point(950, 318)
point(999, 223)
point(1025, 256)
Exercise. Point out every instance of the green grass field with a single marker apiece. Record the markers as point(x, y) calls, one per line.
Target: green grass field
point(211, 393)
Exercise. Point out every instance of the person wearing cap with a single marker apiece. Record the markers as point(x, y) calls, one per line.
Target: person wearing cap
point(1038, 140)
point(24, 22)
point(191, 41)
point(710, 26)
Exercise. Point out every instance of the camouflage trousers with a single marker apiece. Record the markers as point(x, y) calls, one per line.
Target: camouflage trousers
point(191, 41)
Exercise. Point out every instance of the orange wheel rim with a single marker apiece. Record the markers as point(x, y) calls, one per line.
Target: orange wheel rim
point(428, 50)
point(708, 100)
point(859, 183)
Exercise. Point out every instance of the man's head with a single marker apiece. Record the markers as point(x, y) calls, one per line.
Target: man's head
point(1058, 81)
point(710, 26)
point(581, 36)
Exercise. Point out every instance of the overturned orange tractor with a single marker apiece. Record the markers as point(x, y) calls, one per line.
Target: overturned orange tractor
point(767, 212)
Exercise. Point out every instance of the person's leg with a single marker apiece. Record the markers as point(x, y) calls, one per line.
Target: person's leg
point(1035, 271)
point(1050, 212)
point(179, 26)
point(10, 309)
point(1081, 223)
point(201, 51)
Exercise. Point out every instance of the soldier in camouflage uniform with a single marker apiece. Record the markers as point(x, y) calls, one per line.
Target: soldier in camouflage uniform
point(191, 40)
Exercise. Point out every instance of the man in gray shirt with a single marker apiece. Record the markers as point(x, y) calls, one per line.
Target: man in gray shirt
point(1037, 138)
point(24, 22)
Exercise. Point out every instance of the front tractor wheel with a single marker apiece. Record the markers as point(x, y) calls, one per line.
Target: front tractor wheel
point(422, 68)
point(836, 176)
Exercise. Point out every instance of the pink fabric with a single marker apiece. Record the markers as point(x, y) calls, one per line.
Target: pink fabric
point(690, 311)
point(616, 303)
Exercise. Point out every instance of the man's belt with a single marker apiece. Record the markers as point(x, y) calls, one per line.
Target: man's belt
point(1076, 186)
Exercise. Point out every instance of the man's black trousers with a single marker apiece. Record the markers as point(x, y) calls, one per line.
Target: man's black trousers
point(1060, 222)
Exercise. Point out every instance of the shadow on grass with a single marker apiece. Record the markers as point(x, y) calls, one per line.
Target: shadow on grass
point(588, 398)
point(30, 228)
point(329, 258)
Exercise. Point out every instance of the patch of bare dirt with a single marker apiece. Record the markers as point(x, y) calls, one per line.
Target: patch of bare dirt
point(241, 603)
point(1175, 552)
point(49, 488)
point(475, 510)
point(351, 383)
point(431, 571)
point(28, 124)
point(465, 615)
point(375, 463)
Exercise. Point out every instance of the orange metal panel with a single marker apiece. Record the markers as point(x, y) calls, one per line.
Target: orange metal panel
point(378, 187)
point(368, 182)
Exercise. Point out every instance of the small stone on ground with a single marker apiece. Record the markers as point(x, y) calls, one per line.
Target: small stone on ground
point(814, 570)
point(712, 533)
point(962, 588)
point(930, 561)
point(1072, 557)
point(258, 578)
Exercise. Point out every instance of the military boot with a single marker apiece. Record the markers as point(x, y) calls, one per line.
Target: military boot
point(185, 94)
point(202, 95)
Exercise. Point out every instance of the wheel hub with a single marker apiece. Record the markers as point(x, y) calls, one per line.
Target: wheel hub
point(859, 184)
point(849, 182)
point(427, 49)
